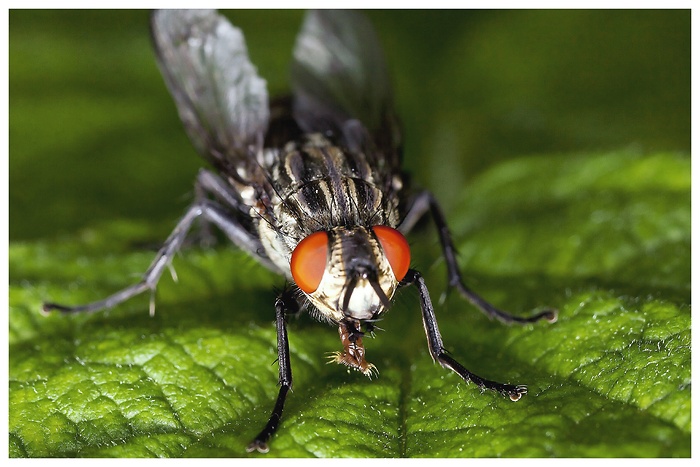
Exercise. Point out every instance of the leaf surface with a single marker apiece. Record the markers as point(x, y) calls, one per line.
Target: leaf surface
point(604, 238)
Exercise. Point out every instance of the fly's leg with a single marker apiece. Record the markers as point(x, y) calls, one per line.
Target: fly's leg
point(208, 184)
point(425, 202)
point(285, 304)
point(438, 352)
point(206, 209)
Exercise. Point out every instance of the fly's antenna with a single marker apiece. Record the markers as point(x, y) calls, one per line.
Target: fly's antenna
point(349, 287)
point(380, 293)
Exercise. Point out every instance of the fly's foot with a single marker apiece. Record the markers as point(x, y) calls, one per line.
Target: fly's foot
point(550, 316)
point(515, 392)
point(257, 445)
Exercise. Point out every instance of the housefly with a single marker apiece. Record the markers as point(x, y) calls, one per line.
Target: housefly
point(309, 185)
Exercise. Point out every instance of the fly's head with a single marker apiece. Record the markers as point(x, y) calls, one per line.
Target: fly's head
point(350, 274)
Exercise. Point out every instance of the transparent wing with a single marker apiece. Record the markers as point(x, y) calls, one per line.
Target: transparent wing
point(339, 73)
point(221, 100)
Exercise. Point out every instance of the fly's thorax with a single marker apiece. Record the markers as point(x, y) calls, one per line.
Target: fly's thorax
point(314, 185)
point(356, 266)
point(318, 185)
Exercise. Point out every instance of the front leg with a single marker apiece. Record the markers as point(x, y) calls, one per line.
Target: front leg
point(285, 304)
point(425, 202)
point(438, 352)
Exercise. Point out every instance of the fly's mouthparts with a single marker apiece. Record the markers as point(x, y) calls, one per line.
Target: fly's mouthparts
point(353, 354)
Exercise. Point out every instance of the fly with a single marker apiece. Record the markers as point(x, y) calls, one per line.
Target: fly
point(310, 185)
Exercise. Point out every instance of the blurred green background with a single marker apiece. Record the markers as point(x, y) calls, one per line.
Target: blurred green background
point(94, 135)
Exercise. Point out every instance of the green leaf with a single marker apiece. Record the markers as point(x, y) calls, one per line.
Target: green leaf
point(605, 238)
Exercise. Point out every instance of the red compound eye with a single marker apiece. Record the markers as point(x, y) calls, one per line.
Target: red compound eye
point(309, 261)
point(395, 248)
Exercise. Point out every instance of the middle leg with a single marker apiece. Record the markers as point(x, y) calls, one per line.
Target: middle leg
point(425, 202)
